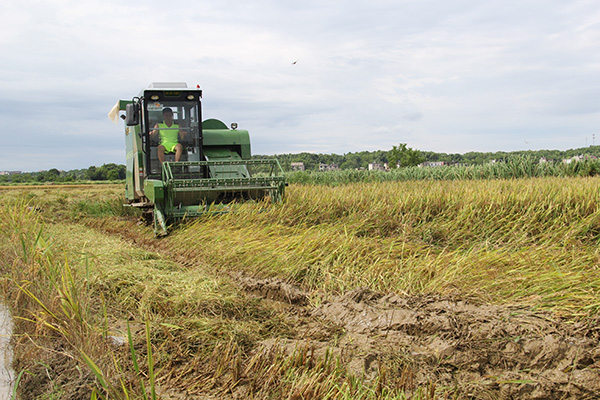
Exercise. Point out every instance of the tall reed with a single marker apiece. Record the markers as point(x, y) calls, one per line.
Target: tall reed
point(514, 167)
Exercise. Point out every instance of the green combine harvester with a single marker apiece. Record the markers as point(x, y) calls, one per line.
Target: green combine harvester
point(208, 168)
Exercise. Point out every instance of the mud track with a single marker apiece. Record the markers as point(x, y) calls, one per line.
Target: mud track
point(464, 350)
point(507, 351)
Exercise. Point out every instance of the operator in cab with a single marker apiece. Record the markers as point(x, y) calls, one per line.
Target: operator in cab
point(169, 134)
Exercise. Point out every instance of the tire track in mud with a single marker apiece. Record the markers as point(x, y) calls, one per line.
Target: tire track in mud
point(509, 351)
point(470, 350)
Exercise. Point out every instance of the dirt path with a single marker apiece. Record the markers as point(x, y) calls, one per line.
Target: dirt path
point(451, 345)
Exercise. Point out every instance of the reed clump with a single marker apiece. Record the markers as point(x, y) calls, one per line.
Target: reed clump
point(512, 168)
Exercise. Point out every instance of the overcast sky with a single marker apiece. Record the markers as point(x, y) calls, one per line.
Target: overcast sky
point(448, 76)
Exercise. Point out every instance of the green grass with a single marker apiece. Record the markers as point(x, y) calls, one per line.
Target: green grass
point(514, 167)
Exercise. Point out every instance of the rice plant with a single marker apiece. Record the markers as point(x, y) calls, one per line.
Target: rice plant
point(499, 240)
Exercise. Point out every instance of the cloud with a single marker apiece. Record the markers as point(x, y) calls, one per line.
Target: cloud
point(450, 76)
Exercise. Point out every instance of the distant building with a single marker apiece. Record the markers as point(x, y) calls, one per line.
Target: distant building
point(328, 167)
point(433, 164)
point(377, 167)
point(572, 159)
point(297, 166)
point(10, 172)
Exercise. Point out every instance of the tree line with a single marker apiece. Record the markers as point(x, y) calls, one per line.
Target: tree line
point(407, 156)
point(107, 172)
point(401, 154)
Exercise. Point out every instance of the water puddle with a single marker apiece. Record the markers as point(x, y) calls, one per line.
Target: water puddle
point(7, 374)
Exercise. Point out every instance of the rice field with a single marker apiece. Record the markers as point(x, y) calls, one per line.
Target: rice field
point(287, 301)
point(500, 241)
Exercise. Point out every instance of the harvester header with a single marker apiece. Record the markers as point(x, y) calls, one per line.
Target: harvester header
point(179, 166)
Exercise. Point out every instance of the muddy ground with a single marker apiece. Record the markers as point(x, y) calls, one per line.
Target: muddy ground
point(471, 350)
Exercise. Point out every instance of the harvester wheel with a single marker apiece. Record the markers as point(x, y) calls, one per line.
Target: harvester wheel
point(148, 216)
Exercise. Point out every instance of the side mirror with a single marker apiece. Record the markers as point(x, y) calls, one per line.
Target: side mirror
point(132, 111)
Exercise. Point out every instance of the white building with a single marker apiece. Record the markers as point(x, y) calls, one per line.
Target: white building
point(297, 166)
point(328, 167)
point(433, 164)
point(377, 167)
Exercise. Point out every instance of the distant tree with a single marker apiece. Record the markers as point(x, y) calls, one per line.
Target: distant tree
point(350, 163)
point(113, 171)
point(113, 175)
point(52, 175)
point(405, 156)
point(91, 173)
point(95, 174)
point(380, 156)
point(363, 158)
point(106, 172)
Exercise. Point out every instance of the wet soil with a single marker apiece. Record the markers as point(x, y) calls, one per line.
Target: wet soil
point(56, 374)
point(273, 289)
point(463, 349)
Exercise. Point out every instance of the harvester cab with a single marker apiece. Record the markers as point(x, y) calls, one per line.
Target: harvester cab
point(179, 166)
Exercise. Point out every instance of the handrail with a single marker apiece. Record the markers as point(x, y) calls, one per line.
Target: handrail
point(167, 172)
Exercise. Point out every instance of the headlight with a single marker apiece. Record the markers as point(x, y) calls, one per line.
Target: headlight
point(154, 97)
point(190, 97)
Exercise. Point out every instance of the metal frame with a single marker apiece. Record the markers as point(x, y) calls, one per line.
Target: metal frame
point(273, 184)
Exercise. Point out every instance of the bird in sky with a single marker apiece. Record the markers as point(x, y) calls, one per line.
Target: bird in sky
point(295, 62)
